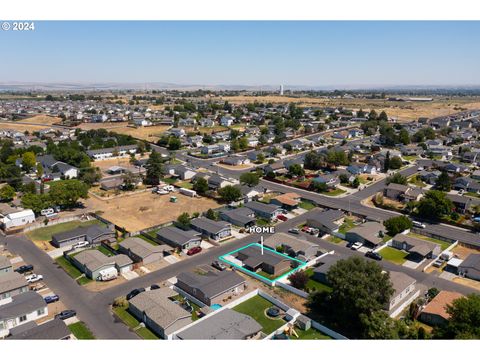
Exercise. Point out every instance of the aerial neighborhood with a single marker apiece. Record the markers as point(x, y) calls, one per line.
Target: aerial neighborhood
point(190, 215)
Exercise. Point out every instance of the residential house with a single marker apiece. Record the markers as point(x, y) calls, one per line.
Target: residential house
point(54, 329)
point(470, 267)
point(320, 272)
point(417, 248)
point(251, 193)
point(370, 234)
point(158, 311)
point(93, 234)
point(108, 153)
point(93, 262)
point(5, 265)
point(467, 184)
point(180, 171)
point(265, 211)
point(11, 284)
point(141, 251)
point(17, 219)
point(217, 182)
point(435, 312)
point(270, 262)
point(242, 217)
point(328, 221)
point(330, 180)
point(292, 246)
point(236, 160)
point(288, 201)
point(403, 193)
point(178, 238)
point(215, 230)
point(52, 167)
point(212, 287)
point(403, 285)
point(24, 307)
point(227, 324)
point(461, 203)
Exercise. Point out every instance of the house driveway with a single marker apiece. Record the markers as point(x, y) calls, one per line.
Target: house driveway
point(413, 264)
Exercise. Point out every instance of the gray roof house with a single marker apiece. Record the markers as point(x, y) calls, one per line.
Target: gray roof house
point(5, 265)
point(51, 330)
point(369, 233)
point(293, 246)
point(24, 307)
point(417, 248)
point(158, 311)
point(470, 267)
point(327, 221)
point(211, 288)
point(270, 262)
point(92, 262)
point(215, 230)
point(94, 234)
point(11, 284)
point(243, 217)
point(227, 324)
point(178, 238)
point(326, 262)
point(403, 285)
point(142, 251)
point(266, 211)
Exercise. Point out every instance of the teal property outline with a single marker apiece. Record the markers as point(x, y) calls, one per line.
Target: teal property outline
point(254, 274)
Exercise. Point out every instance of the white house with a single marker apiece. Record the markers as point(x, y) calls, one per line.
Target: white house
point(20, 218)
point(227, 120)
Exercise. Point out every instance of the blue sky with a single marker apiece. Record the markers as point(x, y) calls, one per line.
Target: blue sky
point(245, 53)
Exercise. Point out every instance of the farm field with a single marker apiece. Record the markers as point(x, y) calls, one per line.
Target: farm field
point(140, 211)
point(403, 111)
point(150, 133)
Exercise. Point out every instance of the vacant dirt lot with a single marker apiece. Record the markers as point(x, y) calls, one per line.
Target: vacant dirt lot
point(403, 111)
point(42, 119)
point(462, 252)
point(150, 133)
point(21, 127)
point(144, 210)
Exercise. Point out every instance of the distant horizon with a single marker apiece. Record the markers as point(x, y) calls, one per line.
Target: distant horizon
point(312, 54)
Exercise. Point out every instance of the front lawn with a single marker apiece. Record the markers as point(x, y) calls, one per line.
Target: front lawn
point(256, 308)
point(335, 192)
point(81, 331)
point(348, 224)
point(415, 180)
point(129, 320)
point(262, 222)
point(72, 271)
point(393, 255)
point(45, 233)
point(307, 205)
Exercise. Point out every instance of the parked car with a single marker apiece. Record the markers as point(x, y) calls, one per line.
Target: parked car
point(282, 217)
point(373, 255)
point(134, 293)
point(65, 314)
point(33, 278)
point(218, 265)
point(418, 224)
point(51, 299)
point(438, 263)
point(154, 287)
point(24, 269)
point(356, 246)
point(294, 231)
point(80, 244)
point(46, 212)
point(194, 251)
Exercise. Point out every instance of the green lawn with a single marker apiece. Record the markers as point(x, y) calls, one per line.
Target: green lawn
point(348, 224)
point(415, 180)
point(195, 306)
point(267, 275)
point(143, 237)
point(81, 331)
point(71, 270)
point(334, 239)
point(185, 185)
point(105, 251)
point(409, 157)
point(310, 334)
point(393, 255)
point(45, 233)
point(472, 194)
point(307, 205)
point(335, 192)
point(443, 244)
point(132, 323)
point(256, 307)
point(313, 284)
point(262, 222)
point(169, 181)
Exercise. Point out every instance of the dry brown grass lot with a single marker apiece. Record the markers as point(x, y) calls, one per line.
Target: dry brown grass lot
point(42, 119)
point(404, 111)
point(150, 133)
point(144, 210)
point(21, 127)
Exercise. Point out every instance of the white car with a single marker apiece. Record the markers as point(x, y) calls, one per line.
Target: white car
point(357, 245)
point(418, 224)
point(80, 244)
point(33, 278)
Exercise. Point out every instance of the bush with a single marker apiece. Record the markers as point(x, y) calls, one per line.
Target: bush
point(298, 279)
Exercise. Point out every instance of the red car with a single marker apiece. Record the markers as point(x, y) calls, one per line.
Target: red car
point(282, 217)
point(194, 251)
